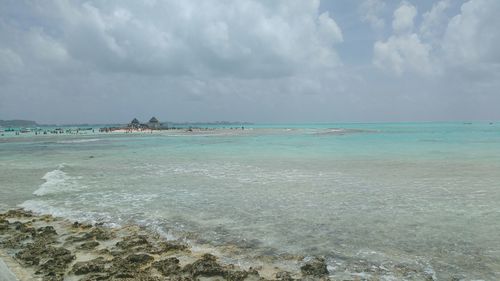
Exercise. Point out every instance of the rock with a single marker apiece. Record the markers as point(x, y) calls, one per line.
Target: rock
point(15, 241)
point(88, 245)
point(52, 266)
point(206, 266)
point(46, 218)
point(316, 267)
point(134, 241)
point(141, 277)
point(283, 275)
point(183, 278)
point(19, 213)
point(129, 267)
point(28, 257)
point(58, 251)
point(140, 259)
point(81, 225)
point(96, 277)
point(99, 233)
point(59, 259)
point(4, 225)
point(22, 227)
point(47, 231)
point(168, 266)
point(53, 277)
point(121, 267)
point(164, 247)
point(92, 266)
point(236, 275)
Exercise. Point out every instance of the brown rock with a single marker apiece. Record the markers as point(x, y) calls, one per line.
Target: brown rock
point(93, 266)
point(139, 259)
point(316, 267)
point(88, 245)
point(206, 266)
point(284, 276)
point(168, 266)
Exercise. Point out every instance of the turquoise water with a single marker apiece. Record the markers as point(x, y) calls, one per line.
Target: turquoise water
point(425, 195)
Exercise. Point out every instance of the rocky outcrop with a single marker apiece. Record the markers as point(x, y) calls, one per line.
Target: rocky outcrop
point(168, 267)
point(316, 267)
point(92, 266)
point(56, 250)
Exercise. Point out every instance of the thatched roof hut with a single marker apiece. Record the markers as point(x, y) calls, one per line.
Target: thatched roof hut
point(134, 123)
point(154, 123)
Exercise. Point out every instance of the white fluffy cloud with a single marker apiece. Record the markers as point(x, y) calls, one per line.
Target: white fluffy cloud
point(402, 53)
point(404, 17)
point(229, 38)
point(435, 20)
point(370, 11)
point(199, 60)
point(465, 41)
point(404, 50)
point(473, 36)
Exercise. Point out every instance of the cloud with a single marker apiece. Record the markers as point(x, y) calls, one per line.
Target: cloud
point(403, 18)
point(108, 61)
point(10, 61)
point(329, 30)
point(196, 60)
point(435, 21)
point(245, 38)
point(370, 11)
point(404, 50)
point(460, 44)
point(472, 37)
point(403, 53)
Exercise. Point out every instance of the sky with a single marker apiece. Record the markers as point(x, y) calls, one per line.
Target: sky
point(262, 61)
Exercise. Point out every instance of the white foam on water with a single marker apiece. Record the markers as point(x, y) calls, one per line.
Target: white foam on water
point(42, 207)
point(57, 181)
point(78, 141)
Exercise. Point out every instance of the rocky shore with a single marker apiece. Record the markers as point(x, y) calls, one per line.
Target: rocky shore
point(42, 247)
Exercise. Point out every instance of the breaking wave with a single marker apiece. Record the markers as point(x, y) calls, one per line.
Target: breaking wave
point(77, 141)
point(56, 181)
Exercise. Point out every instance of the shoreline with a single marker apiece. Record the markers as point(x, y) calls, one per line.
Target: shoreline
point(47, 248)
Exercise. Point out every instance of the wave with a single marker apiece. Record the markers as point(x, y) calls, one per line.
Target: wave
point(56, 181)
point(42, 207)
point(342, 131)
point(78, 141)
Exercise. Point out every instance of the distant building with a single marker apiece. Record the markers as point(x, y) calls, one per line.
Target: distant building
point(134, 124)
point(153, 123)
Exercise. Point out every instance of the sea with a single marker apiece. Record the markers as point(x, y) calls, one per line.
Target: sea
point(377, 198)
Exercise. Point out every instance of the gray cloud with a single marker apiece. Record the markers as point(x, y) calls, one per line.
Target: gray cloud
point(108, 61)
point(227, 38)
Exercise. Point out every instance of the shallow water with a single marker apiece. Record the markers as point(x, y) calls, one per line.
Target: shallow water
point(422, 194)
